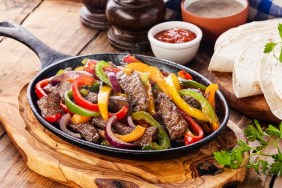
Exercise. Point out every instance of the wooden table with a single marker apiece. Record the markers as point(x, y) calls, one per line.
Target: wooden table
point(57, 23)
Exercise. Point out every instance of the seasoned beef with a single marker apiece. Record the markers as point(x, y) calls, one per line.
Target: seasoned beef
point(62, 88)
point(49, 89)
point(86, 130)
point(116, 103)
point(133, 87)
point(192, 102)
point(174, 122)
point(92, 97)
point(49, 105)
point(122, 129)
point(99, 122)
point(149, 136)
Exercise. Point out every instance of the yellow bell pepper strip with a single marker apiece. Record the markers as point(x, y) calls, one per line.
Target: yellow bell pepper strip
point(180, 103)
point(80, 119)
point(103, 101)
point(100, 72)
point(137, 133)
point(80, 68)
point(146, 82)
point(154, 74)
point(210, 94)
point(206, 107)
point(39, 88)
point(185, 75)
point(173, 79)
point(79, 82)
point(74, 108)
point(163, 138)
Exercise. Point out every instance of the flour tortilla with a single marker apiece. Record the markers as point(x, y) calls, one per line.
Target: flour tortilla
point(252, 25)
point(276, 79)
point(224, 57)
point(245, 79)
point(266, 67)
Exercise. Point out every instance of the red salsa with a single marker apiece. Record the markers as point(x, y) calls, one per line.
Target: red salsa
point(175, 35)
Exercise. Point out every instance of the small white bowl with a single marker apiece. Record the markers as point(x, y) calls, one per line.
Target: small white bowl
point(180, 53)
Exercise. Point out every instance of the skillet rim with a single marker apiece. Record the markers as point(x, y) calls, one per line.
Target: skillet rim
point(117, 152)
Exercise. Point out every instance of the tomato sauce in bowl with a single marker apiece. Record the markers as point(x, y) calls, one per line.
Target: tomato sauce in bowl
point(175, 35)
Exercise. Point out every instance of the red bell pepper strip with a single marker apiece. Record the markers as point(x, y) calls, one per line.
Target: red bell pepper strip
point(111, 69)
point(39, 88)
point(64, 107)
point(90, 66)
point(189, 137)
point(83, 81)
point(185, 75)
point(130, 59)
point(54, 118)
point(121, 113)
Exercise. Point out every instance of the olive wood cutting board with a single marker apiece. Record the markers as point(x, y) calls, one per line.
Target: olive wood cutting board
point(52, 157)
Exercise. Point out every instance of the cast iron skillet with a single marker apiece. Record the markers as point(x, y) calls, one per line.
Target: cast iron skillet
point(52, 61)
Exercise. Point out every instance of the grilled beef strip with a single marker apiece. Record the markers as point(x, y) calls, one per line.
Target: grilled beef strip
point(150, 134)
point(193, 102)
point(92, 97)
point(62, 88)
point(49, 105)
point(133, 87)
point(86, 130)
point(116, 103)
point(173, 121)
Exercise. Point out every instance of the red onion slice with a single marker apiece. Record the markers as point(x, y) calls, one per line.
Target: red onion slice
point(130, 122)
point(114, 141)
point(69, 75)
point(63, 125)
point(114, 82)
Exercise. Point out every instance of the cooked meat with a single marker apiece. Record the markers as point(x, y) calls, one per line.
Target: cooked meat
point(99, 122)
point(133, 87)
point(49, 105)
point(174, 122)
point(116, 103)
point(149, 136)
point(192, 102)
point(86, 130)
point(92, 97)
point(62, 88)
point(49, 89)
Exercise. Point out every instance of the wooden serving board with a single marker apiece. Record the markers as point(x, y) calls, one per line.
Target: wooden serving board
point(52, 157)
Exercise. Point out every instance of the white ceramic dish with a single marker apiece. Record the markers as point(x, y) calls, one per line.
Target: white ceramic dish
point(180, 53)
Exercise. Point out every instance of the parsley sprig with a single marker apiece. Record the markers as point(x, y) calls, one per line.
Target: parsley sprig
point(254, 133)
point(269, 47)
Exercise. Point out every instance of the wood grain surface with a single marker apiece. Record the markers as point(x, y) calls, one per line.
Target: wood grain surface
point(18, 65)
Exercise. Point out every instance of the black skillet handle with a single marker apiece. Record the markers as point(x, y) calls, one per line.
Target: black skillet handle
point(46, 54)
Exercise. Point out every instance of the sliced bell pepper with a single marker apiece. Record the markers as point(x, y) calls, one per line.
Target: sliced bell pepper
point(137, 133)
point(74, 108)
point(184, 74)
point(76, 118)
point(206, 107)
point(146, 82)
point(154, 74)
point(189, 137)
point(163, 138)
point(130, 59)
point(210, 94)
point(111, 69)
point(121, 113)
point(64, 107)
point(180, 103)
point(90, 66)
point(173, 79)
point(79, 82)
point(100, 65)
point(54, 118)
point(103, 101)
point(39, 88)
point(192, 84)
point(80, 68)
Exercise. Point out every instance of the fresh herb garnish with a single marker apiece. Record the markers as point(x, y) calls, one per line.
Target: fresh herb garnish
point(254, 133)
point(269, 47)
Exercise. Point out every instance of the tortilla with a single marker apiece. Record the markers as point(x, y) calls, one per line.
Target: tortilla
point(276, 79)
point(245, 79)
point(252, 25)
point(224, 57)
point(266, 67)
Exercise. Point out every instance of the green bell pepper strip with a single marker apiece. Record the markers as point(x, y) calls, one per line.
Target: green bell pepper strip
point(100, 73)
point(192, 84)
point(206, 107)
point(74, 108)
point(163, 138)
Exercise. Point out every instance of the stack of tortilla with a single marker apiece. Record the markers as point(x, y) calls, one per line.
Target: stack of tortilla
point(240, 51)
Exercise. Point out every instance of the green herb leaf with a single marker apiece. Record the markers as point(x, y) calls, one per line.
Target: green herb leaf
point(269, 47)
point(280, 29)
point(244, 146)
point(223, 157)
point(276, 168)
point(273, 131)
point(280, 129)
